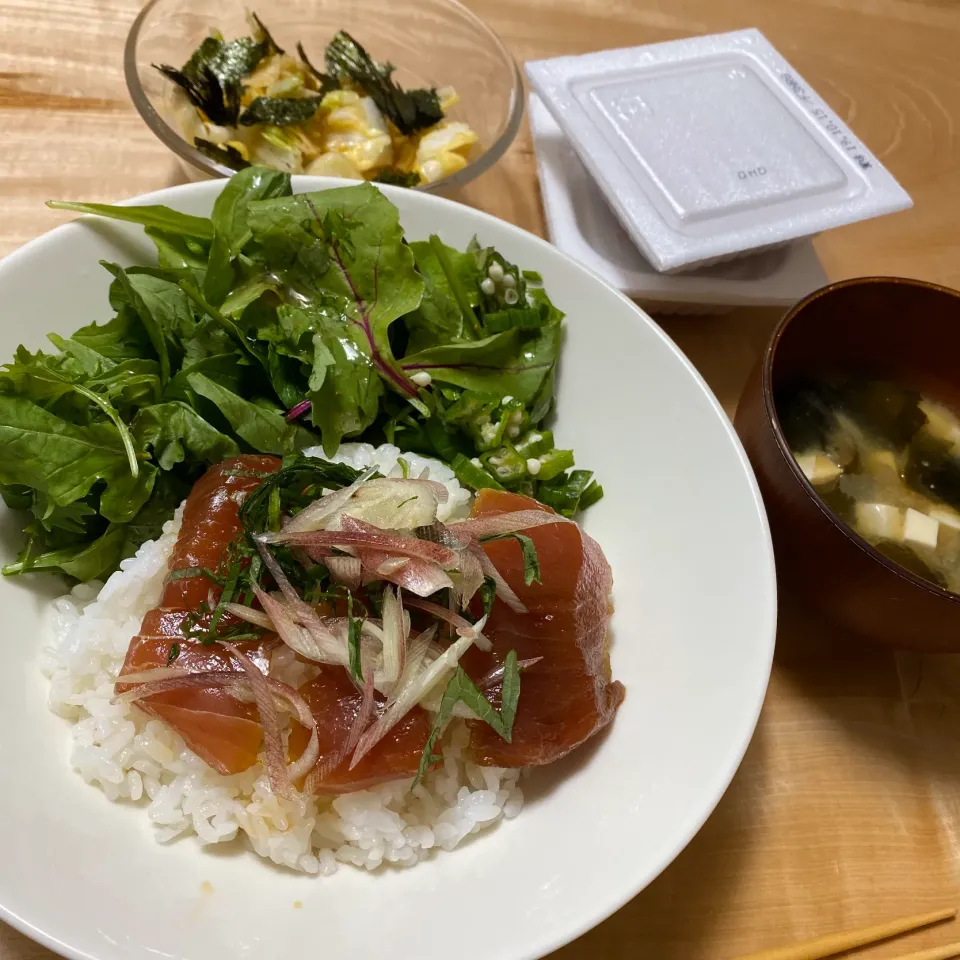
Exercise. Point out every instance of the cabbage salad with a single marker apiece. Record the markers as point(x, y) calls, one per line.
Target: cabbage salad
point(248, 101)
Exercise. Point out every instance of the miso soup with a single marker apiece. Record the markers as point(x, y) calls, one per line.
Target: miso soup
point(886, 460)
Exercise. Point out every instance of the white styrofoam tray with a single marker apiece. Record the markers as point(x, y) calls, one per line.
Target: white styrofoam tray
point(711, 147)
point(582, 225)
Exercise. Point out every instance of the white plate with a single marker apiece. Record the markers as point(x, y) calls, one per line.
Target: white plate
point(684, 528)
point(581, 223)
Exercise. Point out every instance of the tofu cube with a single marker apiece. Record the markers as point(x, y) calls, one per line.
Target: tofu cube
point(920, 529)
point(818, 469)
point(879, 521)
point(880, 462)
point(946, 516)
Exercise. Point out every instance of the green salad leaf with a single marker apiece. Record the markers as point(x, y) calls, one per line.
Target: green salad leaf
point(154, 215)
point(511, 362)
point(60, 459)
point(216, 318)
point(182, 256)
point(169, 492)
point(175, 430)
point(345, 247)
point(260, 424)
point(231, 232)
point(226, 369)
point(359, 254)
point(451, 294)
point(50, 375)
point(84, 561)
point(165, 311)
point(343, 384)
point(247, 292)
point(122, 338)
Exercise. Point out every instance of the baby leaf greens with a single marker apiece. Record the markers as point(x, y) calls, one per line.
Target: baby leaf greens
point(279, 322)
point(160, 218)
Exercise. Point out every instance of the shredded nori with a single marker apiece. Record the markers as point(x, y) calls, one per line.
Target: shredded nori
point(219, 102)
point(271, 44)
point(409, 110)
point(211, 78)
point(221, 153)
point(396, 178)
point(327, 83)
point(279, 111)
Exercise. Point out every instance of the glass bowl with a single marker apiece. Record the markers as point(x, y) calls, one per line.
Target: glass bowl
point(434, 43)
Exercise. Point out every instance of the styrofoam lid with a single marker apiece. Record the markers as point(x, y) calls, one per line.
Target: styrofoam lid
point(581, 224)
point(711, 147)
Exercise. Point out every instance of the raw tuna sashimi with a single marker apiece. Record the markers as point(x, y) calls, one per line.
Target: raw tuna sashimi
point(566, 696)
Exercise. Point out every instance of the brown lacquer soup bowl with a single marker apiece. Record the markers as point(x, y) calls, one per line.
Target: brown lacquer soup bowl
point(883, 328)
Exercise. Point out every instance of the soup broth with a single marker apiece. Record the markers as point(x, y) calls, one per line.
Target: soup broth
point(886, 460)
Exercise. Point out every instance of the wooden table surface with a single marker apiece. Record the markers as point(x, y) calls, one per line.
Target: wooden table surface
point(846, 809)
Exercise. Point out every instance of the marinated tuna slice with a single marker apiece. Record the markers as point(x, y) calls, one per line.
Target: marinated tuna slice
point(567, 696)
point(222, 730)
point(210, 522)
point(335, 702)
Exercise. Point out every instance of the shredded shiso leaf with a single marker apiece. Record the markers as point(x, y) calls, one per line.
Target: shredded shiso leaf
point(531, 565)
point(461, 689)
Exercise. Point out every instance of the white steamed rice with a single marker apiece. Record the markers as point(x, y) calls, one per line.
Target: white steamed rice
point(386, 457)
point(134, 758)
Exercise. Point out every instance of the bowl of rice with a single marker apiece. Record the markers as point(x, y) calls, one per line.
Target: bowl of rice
point(151, 851)
point(437, 48)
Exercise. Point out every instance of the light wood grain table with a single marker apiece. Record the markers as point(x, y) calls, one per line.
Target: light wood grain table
point(847, 807)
